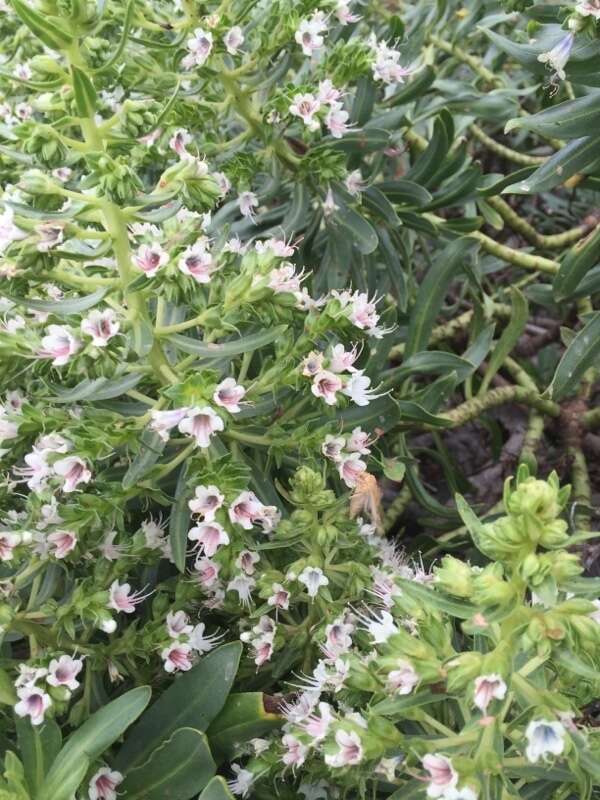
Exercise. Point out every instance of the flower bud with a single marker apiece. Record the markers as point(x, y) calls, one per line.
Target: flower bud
point(539, 498)
point(490, 588)
point(462, 669)
point(327, 535)
point(454, 576)
point(587, 629)
point(564, 566)
point(501, 540)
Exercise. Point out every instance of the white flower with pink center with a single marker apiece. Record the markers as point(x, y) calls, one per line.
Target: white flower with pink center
point(207, 572)
point(306, 106)
point(332, 447)
point(210, 536)
point(61, 543)
point(246, 561)
point(243, 585)
point(403, 679)
point(245, 510)
point(247, 202)
point(104, 783)
point(51, 235)
point(8, 542)
point(176, 657)
point(228, 394)
point(342, 360)
point(73, 470)
point(101, 326)
point(201, 641)
point(37, 471)
point(350, 468)
point(354, 183)
point(223, 183)
point(442, 775)
point(150, 258)
point(201, 423)
point(59, 344)
point(313, 578)
point(313, 364)
point(386, 65)
point(359, 442)
point(64, 672)
point(317, 727)
point(197, 262)
point(122, 599)
point(280, 597)
point(199, 48)
point(295, 751)
point(33, 703)
point(309, 33)
point(488, 688)
point(350, 749)
point(206, 502)
point(328, 94)
point(326, 384)
point(178, 624)
point(233, 40)
point(588, 8)
point(179, 142)
point(343, 13)
point(163, 421)
point(263, 649)
point(337, 122)
point(285, 279)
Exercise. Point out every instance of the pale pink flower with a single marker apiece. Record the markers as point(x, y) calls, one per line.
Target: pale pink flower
point(386, 65)
point(201, 642)
point(243, 585)
point(332, 447)
point(150, 258)
point(326, 384)
point(313, 364)
point(179, 142)
point(359, 442)
point(442, 775)
point(285, 279)
point(54, 443)
point(210, 536)
point(338, 638)
point(199, 47)
point(343, 13)
point(51, 235)
point(64, 672)
point(306, 106)
point(342, 360)
point(403, 679)
point(62, 174)
point(206, 502)
point(245, 510)
point(317, 727)
point(59, 344)
point(176, 657)
point(101, 326)
point(313, 578)
point(268, 518)
point(8, 542)
point(233, 40)
point(488, 688)
point(295, 754)
point(33, 703)
point(337, 122)
point(8, 230)
point(308, 35)
point(263, 649)
point(328, 94)
point(278, 247)
point(73, 470)
point(62, 543)
point(104, 783)
point(29, 676)
point(351, 467)
point(354, 183)
point(121, 598)
point(178, 624)
point(246, 561)
point(228, 394)
point(247, 202)
point(280, 597)
point(350, 752)
point(197, 262)
point(588, 8)
point(207, 572)
point(163, 421)
point(109, 549)
point(201, 423)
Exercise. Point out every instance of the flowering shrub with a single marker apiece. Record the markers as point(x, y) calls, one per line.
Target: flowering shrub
point(238, 242)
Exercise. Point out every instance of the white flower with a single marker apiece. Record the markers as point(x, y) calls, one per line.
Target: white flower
point(488, 688)
point(8, 230)
point(242, 782)
point(207, 501)
point(243, 585)
point(233, 39)
point(386, 65)
point(245, 510)
point(350, 468)
point(248, 201)
point(73, 470)
point(313, 578)
point(295, 754)
point(326, 384)
point(201, 642)
point(306, 106)
point(308, 35)
point(210, 536)
point(121, 598)
point(403, 679)
point(150, 258)
point(33, 703)
point(199, 47)
point(64, 671)
point(343, 13)
point(59, 344)
point(350, 752)
point(332, 447)
point(228, 394)
point(337, 122)
point(103, 785)
point(280, 597)
point(357, 389)
point(588, 8)
point(442, 775)
point(101, 326)
point(545, 737)
point(163, 421)
point(62, 543)
point(201, 423)
point(557, 58)
point(176, 657)
point(354, 183)
point(178, 624)
point(197, 262)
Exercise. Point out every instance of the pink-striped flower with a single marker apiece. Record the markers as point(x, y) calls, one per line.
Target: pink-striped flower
point(104, 783)
point(33, 703)
point(61, 543)
point(201, 423)
point(337, 122)
point(163, 421)
point(488, 688)
point(101, 326)
point(8, 542)
point(197, 262)
point(228, 394)
point(178, 624)
point(280, 597)
point(64, 672)
point(176, 657)
point(245, 510)
point(403, 679)
point(295, 754)
point(121, 598)
point(210, 536)
point(207, 572)
point(443, 778)
point(206, 502)
point(73, 470)
point(350, 750)
point(306, 106)
point(233, 40)
point(351, 467)
point(325, 385)
point(59, 344)
point(150, 258)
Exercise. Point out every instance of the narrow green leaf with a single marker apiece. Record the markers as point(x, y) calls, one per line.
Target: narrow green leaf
point(216, 790)
point(97, 389)
point(428, 163)
point(581, 258)
point(576, 156)
point(432, 291)
point(193, 700)
point(368, 140)
point(128, 19)
point(151, 448)
point(509, 338)
point(566, 120)
point(86, 99)
point(398, 705)
point(142, 336)
point(404, 193)
point(234, 347)
point(178, 769)
point(45, 30)
point(89, 741)
point(355, 228)
point(430, 598)
point(574, 664)
point(60, 308)
point(582, 353)
point(179, 521)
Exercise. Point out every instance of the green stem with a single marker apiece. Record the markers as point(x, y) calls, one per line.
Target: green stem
point(397, 508)
point(552, 242)
point(473, 408)
point(516, 257)
point(471, 61)
point(503, 151)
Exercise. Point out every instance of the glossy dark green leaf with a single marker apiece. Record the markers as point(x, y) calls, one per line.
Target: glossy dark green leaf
point(509, 338)
point(89, 741)
point(178, 769)
point(566, 120)
point(492, 184)
point(378, 204)
point(355, 228)
point(428, 162)
point(458, 190)
point(404, 192)
point(151, 448)
point(217, 790)
point(193, 700)
point(367, 140)
point(577, 156)
point(233, 347)
point(179, 521)
point(582, 353)
point(418, 85)
point(581, 258)
point(243, 717)
point(432, 291)
point(364, 100)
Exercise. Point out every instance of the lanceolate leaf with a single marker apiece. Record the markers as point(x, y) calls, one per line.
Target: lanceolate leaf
point(581, 354)
point(84, 92)
point(575, 157)
point(60, 308)
point(578, 261)
point(47, 31)
point(355, 228)
point(98, 389)
point(151, 448)
point(509, 338)
point(193, 700)
point(89, 741)
point(234, 347)
point(216, 790)
point(179, 522)
point(566, 120)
